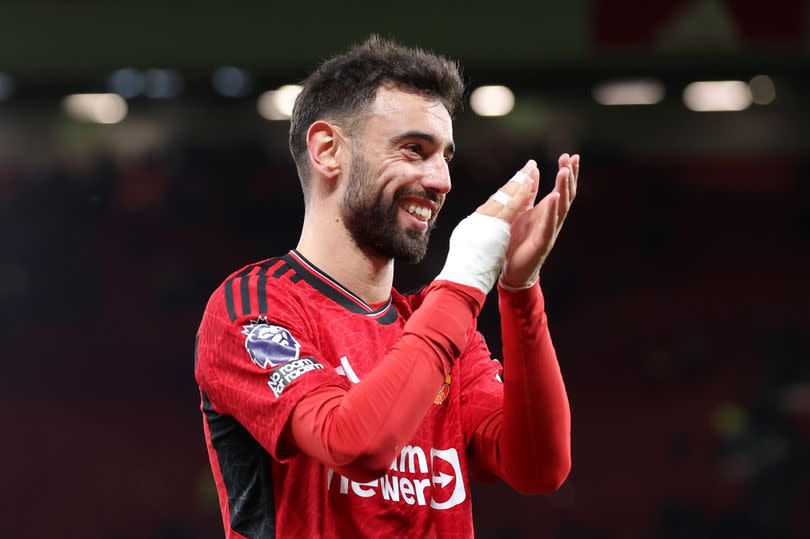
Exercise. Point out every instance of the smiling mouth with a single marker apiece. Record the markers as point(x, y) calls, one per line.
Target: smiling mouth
point(420, 212)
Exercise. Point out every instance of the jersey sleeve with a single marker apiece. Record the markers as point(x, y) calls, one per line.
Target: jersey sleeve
point(257, 368)
point(359, 432)
point(481, 399)
point(518, 431)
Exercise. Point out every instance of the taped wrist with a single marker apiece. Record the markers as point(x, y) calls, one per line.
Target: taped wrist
point(477, 250)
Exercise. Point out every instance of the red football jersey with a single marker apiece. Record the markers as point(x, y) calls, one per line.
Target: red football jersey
point(276, 330)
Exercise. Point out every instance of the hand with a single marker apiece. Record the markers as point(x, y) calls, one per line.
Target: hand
point(535, 229)
point(522, 191)
point(478, 243)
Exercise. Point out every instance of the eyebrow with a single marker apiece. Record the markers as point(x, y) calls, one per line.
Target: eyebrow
point(427, 137)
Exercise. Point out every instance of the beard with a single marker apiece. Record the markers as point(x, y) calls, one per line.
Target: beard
point(374, 223)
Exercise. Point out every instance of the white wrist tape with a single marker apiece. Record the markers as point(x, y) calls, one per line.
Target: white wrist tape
point(477, 250)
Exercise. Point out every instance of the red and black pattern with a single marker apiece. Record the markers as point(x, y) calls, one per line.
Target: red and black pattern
point(426, 491)
point(294, 267)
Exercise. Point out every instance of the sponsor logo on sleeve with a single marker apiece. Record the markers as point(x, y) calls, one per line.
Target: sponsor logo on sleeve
point(283, 375)
point(268, 345)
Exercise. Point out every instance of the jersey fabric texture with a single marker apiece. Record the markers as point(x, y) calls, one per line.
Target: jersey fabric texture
point(275, 331)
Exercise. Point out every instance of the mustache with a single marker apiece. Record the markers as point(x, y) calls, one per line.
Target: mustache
point(427, 195)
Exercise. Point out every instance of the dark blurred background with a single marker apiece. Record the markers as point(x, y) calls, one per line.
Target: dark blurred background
point(678, 293)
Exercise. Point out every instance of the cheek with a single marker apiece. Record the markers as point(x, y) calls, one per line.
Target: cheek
point(402, 176)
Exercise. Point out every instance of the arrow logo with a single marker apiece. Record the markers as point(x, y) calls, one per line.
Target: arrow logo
point(442, 479)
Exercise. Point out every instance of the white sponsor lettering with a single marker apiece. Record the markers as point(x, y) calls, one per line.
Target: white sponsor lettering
point(390, 487)
point(412, 453)
point(421, 491)
point(421, 485)
point(344, 482)
point(361, 490)
point(406, 489)
point(281, 377)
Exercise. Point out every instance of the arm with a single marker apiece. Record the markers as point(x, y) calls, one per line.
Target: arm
point(525, 440)
point(359, 431)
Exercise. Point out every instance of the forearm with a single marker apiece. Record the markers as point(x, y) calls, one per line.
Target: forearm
point(361, 430)
point(534, 442)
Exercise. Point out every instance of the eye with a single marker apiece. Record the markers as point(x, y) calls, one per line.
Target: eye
point(414, 149)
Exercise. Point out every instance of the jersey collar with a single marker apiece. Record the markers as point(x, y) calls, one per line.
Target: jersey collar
point(332, 289)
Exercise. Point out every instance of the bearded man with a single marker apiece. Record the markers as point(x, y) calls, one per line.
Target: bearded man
point(333, 405)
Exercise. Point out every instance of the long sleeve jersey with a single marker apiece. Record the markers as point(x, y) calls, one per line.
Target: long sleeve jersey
point(325, 416)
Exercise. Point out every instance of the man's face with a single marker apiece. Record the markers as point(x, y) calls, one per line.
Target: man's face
point(398, 175)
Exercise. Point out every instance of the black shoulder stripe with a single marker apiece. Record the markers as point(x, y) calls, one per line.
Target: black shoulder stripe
point(229, 299)
point(261, 284)
point(281, 270)
point(244, 280)
point(261, 292)
point(244, 292)
point(244, 287)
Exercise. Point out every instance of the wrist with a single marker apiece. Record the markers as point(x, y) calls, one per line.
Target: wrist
point(510, 286)
point(470, 295)
point(477, 251)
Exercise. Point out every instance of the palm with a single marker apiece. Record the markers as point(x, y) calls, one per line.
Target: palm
point(535, 229)
point(532, 238)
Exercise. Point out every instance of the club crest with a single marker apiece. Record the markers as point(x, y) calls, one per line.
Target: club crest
point(269, 345)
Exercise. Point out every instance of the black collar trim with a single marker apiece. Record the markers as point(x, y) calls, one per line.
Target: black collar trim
point(332, 289)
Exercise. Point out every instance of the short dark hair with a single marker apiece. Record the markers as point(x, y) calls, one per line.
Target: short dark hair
point(344, 86)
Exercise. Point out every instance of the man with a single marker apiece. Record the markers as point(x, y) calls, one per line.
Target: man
point(335, 406)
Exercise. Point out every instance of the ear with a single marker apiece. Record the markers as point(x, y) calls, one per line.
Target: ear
point(324, 148)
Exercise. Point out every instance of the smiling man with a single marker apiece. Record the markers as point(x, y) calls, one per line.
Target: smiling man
point(333, 405)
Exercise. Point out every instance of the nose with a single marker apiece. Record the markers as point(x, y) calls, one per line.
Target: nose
point(437, 177)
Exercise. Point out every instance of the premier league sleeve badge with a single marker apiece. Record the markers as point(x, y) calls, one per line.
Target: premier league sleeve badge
point(269, 346)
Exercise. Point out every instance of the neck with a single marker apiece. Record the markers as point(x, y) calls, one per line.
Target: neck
point(326, 243)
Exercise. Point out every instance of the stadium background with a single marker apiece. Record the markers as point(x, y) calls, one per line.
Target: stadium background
point(678, 292)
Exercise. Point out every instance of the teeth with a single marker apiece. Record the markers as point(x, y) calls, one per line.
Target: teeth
point(423, 213)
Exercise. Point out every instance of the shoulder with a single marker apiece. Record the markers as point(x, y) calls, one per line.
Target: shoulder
point(263, 293)
point(266, 288)
point(258, 299)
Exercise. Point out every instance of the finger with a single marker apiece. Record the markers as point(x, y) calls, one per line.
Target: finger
point(561, 188)
point(575, 166)
point(535, 187)
point(524, 177)
point(565, 162)
point(516, 204)
point(570, 185)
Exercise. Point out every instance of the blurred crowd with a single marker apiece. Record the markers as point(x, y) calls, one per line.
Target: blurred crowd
point(678, 297)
